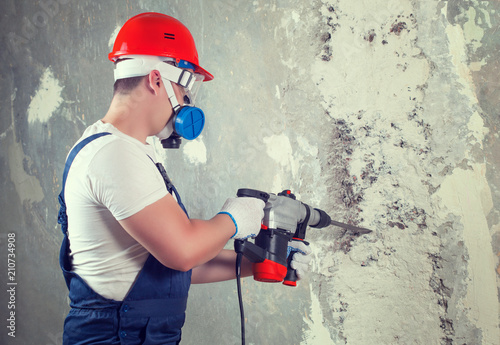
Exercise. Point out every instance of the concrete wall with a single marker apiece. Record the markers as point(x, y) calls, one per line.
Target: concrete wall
point(383, 113)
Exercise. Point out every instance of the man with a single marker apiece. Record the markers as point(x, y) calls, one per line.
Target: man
point(130, 252)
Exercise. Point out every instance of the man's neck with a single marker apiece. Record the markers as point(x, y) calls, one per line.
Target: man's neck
point(127, 117)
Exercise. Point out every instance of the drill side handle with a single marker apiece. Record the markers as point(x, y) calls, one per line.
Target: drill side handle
point(250, 250)
point(291, 274)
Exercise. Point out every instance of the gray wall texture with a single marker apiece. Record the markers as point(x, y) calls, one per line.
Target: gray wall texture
point(384, 113)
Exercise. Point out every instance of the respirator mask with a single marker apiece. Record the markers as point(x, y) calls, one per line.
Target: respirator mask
point(187, 121)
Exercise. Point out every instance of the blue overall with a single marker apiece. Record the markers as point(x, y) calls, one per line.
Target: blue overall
point(153, 311)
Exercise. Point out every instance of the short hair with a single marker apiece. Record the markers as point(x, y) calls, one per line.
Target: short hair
point(126, 85)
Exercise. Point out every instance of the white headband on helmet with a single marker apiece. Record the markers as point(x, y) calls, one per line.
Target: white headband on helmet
point(141, 65)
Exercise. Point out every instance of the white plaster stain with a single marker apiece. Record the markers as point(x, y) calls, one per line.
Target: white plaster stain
point(27, 186)
point(317, 333)
point(195, 151)
point(304, 145)
point(477, 128)
point(290, 160)
point(279, 149)
point(47, 98)
point(457, 44)
point(473, 32)
point(465, 193)
point(277, 183)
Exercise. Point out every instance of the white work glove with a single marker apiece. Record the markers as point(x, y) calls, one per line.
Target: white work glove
point(301, 258)
point(246, 214)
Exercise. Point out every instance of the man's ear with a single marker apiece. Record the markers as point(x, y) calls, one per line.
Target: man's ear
point(154, 81)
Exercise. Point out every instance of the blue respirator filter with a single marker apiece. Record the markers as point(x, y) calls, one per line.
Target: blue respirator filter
point(189, 122)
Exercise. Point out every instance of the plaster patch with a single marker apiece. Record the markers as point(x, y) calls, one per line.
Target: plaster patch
point(317, 332)
point(309, 150)
point(372, 88)
point(47, 98)
point(195, 151)
point(277, 184)
point(9, 129)
point(27, 187)
point(346, 79)
point(477, 128)
point(279, 148)
point(473, 33)
point(464, 193)
point(278, 94)
point(456, 46)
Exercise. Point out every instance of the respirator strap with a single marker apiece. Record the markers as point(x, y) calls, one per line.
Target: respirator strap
point(171, 95)
point(141, 66)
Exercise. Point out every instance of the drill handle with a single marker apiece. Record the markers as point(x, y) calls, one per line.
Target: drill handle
point(253, 193)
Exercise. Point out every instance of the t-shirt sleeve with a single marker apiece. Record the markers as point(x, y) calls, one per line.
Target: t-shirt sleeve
point(124, 179)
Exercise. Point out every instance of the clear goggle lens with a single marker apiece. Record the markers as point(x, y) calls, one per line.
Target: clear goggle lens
point(191, 92)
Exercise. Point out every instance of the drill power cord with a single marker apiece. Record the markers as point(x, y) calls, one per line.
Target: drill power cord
point(239, 257)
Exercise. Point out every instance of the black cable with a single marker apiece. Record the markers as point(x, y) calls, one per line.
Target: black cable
point(240, 298)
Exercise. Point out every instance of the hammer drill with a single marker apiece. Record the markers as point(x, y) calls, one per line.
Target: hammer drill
point(285, 219)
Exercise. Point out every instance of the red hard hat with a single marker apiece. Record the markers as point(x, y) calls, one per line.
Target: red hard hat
point(158, 35)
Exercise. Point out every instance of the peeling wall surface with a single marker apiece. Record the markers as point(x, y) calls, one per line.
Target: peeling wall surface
point(383, 113)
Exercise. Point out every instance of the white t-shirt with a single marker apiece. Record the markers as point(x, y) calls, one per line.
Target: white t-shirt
point(110, 179)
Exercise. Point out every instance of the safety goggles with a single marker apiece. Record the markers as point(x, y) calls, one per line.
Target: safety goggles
point(181, 73)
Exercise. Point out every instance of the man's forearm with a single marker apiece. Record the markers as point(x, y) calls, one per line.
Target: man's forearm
point(220, 268)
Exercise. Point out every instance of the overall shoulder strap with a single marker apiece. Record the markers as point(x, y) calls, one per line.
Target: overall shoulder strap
point(168, 183)
point(63, 218)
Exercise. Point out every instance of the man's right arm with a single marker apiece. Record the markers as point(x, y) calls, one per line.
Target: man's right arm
point(182, 243)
